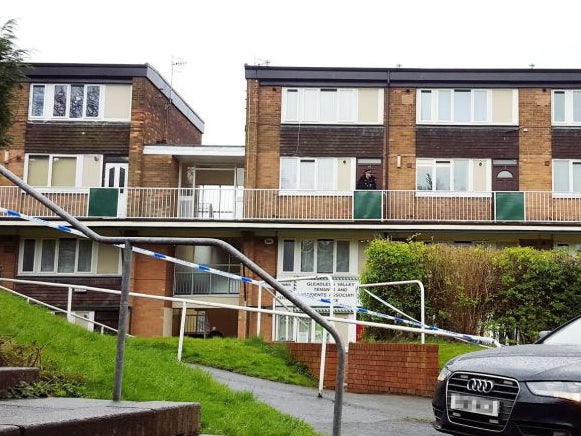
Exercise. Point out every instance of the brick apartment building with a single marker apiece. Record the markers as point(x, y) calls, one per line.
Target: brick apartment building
point(94, 139)
point(459, 156)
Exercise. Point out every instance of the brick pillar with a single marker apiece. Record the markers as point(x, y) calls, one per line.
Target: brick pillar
point(535, 151)
point(154, 277)
point(402, 139)
point(17, 134)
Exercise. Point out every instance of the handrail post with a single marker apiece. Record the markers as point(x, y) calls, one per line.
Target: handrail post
point(258, 318)
point(70, 317)
point(182, 330)
point(122, 328)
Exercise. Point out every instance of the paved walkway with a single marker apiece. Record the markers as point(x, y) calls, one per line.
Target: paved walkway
point(363, 414)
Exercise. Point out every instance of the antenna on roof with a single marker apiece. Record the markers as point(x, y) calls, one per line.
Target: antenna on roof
point(176, 64)
point(260, 62)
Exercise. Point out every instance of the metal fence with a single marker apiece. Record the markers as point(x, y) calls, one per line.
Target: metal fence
point(231, 203)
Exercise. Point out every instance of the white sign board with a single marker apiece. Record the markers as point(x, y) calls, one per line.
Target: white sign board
point(313, 290)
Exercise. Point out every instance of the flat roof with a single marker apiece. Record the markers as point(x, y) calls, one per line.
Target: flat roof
point(413, 77)
point(111, 73)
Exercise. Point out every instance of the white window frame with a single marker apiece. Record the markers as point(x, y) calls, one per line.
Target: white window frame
point(434, 108)
point(297, 256)
point(344, 96)
point(38, 256)
point(435, 162)
point(569, 193)
point(569, 96)
point(49, 101)
point(78, 172)
point(316, 190)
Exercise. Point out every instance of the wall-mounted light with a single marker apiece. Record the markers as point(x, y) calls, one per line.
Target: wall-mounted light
point(268, 241)
point(6, 156)
point(398, 161)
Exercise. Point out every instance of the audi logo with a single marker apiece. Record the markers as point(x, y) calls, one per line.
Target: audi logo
point(480, 385)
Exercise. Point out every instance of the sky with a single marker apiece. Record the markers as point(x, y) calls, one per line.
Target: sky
point(214, 39)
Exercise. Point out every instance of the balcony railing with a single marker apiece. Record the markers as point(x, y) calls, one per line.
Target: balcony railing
point(240, 204)
point(193, 282)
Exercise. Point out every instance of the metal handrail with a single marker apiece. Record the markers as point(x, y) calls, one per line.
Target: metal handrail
point(58, 309)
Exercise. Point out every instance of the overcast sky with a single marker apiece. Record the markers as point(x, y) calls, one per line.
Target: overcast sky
point(217, 37)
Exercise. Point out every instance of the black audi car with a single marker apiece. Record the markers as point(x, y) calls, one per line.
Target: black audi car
point(524, 390)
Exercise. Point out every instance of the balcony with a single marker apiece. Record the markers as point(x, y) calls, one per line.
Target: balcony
point(238, 204)
point(188, 281)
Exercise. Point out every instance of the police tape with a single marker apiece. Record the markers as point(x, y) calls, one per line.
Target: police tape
point(143, 251)
point(161, 256)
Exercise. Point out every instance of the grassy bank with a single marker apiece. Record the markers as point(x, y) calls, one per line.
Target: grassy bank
point(151, 371)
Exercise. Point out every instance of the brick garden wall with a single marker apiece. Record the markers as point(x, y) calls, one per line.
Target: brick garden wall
point(376, 368)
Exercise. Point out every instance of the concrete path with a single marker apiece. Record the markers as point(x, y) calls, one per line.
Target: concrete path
point(363, 414)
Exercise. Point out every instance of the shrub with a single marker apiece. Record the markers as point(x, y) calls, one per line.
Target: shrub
point(459, 283)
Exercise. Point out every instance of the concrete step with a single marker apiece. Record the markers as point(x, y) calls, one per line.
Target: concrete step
point(89, 417)
point(10, 376)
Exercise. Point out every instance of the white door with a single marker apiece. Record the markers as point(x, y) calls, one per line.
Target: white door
point(116, 177)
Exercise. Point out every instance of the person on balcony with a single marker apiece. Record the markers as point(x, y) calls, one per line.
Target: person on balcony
point(367, 180)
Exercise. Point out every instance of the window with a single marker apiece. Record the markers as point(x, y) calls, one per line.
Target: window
point(80, 102)
point(74, 101)
point(63, 171)
point(467, 106)
point(461, 175)
point(322, 256)
point(52, 170)
point(68, 256)
point(566, 175)
point(57, 256)
point(309, 174)
point(332, 105)
point(567, 107)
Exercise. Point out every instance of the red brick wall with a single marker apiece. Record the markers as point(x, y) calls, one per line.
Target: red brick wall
point(266, 257)
point(17, 133)
point(263, 136)
point(376, 368)
point(402, 138)
point(148, 119)
point(535, 151)
point(154, 277)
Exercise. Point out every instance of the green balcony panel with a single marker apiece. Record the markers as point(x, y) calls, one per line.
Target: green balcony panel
point(103, 202)
point(509, 206)
point(367, 205)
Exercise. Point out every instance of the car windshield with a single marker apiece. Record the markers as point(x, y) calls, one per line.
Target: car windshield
point(570, 334)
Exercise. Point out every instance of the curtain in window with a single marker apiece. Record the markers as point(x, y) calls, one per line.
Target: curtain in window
point(461, 106)
point(38, 170)
point(66, 257)
point(64, 171)
point(307, 256)
point(328, 105)
point(47, 255)
point(325, 252)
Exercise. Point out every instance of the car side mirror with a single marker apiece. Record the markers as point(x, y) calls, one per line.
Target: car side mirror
point(543, 333)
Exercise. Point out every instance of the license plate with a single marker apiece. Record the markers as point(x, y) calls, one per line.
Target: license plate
point(470, 403)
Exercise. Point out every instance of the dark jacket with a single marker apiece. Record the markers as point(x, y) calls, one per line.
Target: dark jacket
point(366, 183)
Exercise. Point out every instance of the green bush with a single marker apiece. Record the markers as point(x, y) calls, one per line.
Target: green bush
point(459, 283)
point(538, 291)
point(389, 261)
point(515, 292)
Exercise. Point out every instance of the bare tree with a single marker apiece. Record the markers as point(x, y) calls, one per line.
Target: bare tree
point(12, 68)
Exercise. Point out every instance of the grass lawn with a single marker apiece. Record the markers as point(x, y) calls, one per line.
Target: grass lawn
point(151, 371)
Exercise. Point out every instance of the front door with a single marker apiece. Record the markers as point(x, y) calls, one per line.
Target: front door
point(504, 175)
point(116, 177)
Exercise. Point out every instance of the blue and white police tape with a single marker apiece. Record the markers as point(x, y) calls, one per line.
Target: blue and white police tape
point(399, 320)
point(243, 279)
point(143, 251)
